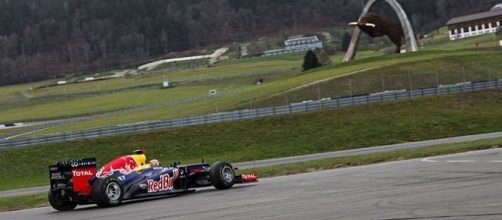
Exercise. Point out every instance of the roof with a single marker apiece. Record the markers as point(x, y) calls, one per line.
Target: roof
point(497, 6)
point(303, 38)
point(477, 16)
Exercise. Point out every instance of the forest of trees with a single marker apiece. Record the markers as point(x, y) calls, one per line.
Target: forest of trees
point(46, 39)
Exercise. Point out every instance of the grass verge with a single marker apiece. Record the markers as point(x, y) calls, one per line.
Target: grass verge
point(39, 200)
point(23, 202)
point(366, 159)
point(272, 137)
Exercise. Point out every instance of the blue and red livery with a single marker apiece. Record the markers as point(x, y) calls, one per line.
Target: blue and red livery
point(79, 182)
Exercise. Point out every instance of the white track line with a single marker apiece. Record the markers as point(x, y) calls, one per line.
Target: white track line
point(429, 160)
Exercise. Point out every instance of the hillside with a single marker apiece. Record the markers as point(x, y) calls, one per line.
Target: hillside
point(133, 99)
point(47, 39)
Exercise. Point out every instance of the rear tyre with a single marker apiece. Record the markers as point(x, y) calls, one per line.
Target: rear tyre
point(222, 175)
point(61, 203)
point(107, 192)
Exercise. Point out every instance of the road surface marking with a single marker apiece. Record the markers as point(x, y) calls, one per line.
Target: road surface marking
point(429, 160)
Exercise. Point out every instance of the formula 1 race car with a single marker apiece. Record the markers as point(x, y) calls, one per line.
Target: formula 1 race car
point(78, 182)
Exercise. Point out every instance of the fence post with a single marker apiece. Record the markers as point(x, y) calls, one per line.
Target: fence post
point(383, 82)
point(411, 83)
point(318, 91)
point(437, 78)
point(463, 73)
point(489, 73)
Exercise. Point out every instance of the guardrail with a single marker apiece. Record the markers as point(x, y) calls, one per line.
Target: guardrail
point(306, 106)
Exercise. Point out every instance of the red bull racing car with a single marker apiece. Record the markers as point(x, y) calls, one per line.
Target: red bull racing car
point(79, 182)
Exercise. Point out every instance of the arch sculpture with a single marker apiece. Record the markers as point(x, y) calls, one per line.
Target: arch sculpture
point(409, 35)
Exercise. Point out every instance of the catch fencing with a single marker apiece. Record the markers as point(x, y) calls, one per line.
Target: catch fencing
point(305, 106)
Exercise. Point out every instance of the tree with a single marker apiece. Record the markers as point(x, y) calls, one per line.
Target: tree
point(346, 38)
point(93, 35)
point(310, 61)
point(322, 56)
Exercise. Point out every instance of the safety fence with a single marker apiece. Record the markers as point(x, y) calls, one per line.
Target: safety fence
point(305, 106)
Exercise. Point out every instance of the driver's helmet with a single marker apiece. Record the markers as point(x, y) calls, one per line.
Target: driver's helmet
point(154, 163)
point(139, 157)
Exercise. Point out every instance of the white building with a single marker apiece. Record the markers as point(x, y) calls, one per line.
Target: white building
point(475, 24)
point(297, 45)
point(303, 43)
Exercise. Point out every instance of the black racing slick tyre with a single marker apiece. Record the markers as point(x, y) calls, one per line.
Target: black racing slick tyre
point(222, 175)
point(59, 203)
point(107, 191)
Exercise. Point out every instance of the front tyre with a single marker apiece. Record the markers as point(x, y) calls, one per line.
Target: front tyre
point(61, 203)
point(107, 192)
point(222, 175)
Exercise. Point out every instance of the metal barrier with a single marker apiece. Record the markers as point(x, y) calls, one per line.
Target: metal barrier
point(306, 106)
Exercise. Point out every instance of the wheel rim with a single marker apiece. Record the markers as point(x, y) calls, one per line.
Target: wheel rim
point(113, 191)
point(228, 174)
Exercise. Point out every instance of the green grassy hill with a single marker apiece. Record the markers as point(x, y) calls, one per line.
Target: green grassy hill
point(441, 62)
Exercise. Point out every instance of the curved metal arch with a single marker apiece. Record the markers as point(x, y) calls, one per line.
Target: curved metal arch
point(409, 35)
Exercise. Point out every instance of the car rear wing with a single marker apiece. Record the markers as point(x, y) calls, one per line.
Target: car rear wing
point(73, 175)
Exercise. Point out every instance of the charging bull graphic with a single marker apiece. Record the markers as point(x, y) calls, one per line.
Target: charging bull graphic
point(377, 26)
point(124, 164)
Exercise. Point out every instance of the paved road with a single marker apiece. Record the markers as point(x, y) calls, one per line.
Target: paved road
point(310, 157)
point(460, 186)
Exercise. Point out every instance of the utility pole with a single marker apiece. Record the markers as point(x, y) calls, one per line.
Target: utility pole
point(411, 82)
point(383, 82)
point(318, 91)
point(437, 78)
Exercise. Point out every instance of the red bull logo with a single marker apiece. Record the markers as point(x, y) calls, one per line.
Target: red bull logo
point(124, 165)
point(166, 182)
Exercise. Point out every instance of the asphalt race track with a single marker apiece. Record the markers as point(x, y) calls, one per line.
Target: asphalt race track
point(460, 186)
point(316, 156)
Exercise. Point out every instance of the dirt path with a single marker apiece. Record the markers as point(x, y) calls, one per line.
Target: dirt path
point(330, 78)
